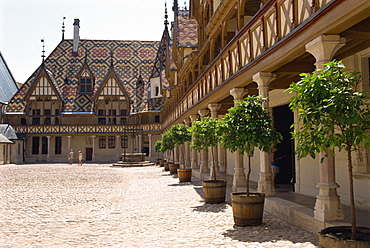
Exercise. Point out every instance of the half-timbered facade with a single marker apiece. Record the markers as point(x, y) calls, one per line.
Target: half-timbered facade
point(92, 96)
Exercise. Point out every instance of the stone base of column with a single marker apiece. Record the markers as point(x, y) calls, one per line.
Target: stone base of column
point(328, 206)
point(204, 166)
point(265, 185)
point(194, 164)
point(239, 180)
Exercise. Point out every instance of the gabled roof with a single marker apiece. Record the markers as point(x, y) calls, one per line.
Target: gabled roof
point(7, 134)
point(8, 86)
point(128, 58)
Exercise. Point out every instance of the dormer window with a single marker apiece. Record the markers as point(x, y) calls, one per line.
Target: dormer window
point(86, 83)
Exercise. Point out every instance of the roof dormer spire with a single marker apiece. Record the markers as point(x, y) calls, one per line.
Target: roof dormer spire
point(165, 15)
point(63, 28)
point(43, 50)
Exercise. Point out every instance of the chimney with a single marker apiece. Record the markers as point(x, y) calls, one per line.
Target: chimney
point(76, 36)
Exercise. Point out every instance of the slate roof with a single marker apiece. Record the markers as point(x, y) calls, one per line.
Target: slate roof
point(131, 61)
point(8, 86)
point(7, 134)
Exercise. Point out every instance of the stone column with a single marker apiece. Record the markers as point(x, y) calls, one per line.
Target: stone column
point(69, 143)
point(117, 146)
point(93, 146)
point(187, 122)
point(328, 206)
point(194, 154)
point(140, 143)
point(221, 154)
point(150, 145)
point(175, 155)
point(265, 186)
point(239, 179)
point(48, 155)
point(214, 169)
point(203, 153)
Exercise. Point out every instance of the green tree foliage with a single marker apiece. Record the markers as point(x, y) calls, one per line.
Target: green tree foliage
point(207, 133)
point(158, 146)
point(248, 126)
point(180, 134)
point(333, 114)
point(168, 143)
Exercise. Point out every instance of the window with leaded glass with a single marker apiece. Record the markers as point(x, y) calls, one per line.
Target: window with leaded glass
point(86, 83)
point(124, 141)
point(102, 121)
point(47, 121)
point(102, 142)
point(111, 142)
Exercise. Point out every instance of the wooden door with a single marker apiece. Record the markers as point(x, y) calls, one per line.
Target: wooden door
point(88, 153)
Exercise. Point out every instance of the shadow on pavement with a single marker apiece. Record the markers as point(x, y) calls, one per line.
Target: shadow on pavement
point(256, 235)
point(215, 208)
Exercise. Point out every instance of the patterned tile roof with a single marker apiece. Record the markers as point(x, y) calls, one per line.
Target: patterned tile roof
point(187, 30)
point(130, 60)
point(164, 55)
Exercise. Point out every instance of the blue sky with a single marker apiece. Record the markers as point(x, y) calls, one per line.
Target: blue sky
point(23, 23)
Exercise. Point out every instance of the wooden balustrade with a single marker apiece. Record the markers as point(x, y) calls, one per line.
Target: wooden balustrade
point(276, 20)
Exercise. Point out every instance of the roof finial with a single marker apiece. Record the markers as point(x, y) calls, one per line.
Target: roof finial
point(43, 50)
point(165, 14)
point(63, 28)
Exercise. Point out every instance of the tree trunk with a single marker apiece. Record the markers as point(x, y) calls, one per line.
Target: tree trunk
point(249, 173)
point(213, 169)
point(351, 194)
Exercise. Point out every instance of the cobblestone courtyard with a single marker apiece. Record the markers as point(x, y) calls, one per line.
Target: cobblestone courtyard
point(58, 205)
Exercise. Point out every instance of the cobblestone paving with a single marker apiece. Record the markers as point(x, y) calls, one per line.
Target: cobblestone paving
point(57, 205)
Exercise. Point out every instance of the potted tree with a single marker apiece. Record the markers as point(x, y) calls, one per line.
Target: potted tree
point(335, 115)
point(170, 136)
point(248, 126)
point(207, 134)
point(158, 147)
point(180, 135)
point(167, 145)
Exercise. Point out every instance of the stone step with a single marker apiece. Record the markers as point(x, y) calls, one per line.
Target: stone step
point(132, 164)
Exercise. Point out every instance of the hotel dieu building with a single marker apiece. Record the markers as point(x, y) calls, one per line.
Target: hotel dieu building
point(103, 96)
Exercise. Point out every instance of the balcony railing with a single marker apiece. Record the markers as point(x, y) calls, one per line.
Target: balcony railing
point(275, 21)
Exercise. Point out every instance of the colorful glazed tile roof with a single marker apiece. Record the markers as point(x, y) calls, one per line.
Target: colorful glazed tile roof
point(164, 55)
point(130, 60)
point(186, 30)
